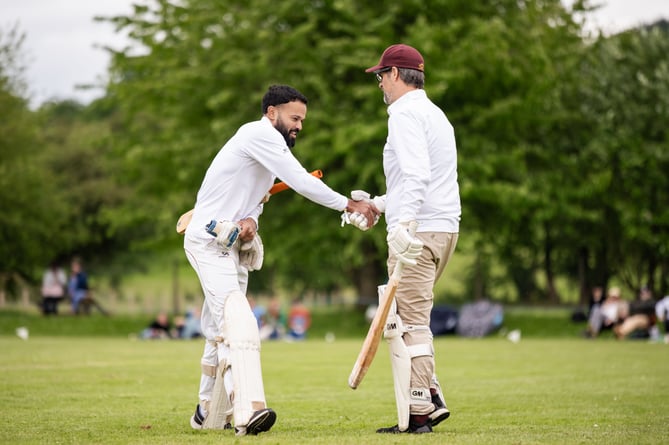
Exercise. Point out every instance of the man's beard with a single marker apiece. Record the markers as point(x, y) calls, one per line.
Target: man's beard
point(285, 132)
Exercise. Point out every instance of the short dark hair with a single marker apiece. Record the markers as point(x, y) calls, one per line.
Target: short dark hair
point(281, 94)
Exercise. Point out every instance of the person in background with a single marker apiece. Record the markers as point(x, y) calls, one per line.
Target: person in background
point(160, 328)
point(595, 298)
point(606, 315)
point(640, 319)
point(662, 314)
point(299, 320)
point(78, 289)
point(54, 285)
point(274, 326)
point(191, 327)
point(259, 312)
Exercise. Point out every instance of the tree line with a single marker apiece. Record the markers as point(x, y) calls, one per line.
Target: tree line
point(562, 141)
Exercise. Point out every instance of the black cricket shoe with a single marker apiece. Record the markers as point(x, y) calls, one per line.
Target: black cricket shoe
point(417, 425)
point(261, 421)
point(197, 419)
point(440, 412)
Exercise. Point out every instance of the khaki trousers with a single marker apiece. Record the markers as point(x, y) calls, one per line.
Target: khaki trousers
point(414, 299)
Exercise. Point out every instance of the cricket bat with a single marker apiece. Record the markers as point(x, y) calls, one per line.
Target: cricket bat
point(184, 220)
point(371, 343)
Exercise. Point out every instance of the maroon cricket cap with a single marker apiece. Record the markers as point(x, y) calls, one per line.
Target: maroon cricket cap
point(401, 56)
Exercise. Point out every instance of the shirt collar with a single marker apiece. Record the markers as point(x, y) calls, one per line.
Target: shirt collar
point(406, 98)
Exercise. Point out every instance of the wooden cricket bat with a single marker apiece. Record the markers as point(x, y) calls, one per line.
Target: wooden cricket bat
point(184, 220)
point(371, 343)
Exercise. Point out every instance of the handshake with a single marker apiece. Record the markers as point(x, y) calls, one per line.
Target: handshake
point(358, 219)
point(402, 240)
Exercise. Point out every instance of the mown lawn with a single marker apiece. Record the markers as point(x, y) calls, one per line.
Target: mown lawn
point(117, 390)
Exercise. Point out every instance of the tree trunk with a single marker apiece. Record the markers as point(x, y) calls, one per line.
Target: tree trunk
point(368, 277)
point(584, 284)
point(553, 296)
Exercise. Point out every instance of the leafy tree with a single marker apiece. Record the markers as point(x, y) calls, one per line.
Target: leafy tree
point(56, 179)
point(623, 96)
point(194, 62)
point(23, 195)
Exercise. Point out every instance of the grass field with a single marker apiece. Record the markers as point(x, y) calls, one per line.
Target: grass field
point(115, 390)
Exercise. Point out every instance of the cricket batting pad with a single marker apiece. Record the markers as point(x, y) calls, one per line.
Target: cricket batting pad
point(220, 407)
point(400, 359)
point(243, 339)
point(401, 364)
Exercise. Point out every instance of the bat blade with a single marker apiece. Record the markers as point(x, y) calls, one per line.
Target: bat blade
point(371, 343)
point(183, 221)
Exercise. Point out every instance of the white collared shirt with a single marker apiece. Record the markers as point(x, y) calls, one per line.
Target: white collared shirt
point(420, 165)
point(245, 169)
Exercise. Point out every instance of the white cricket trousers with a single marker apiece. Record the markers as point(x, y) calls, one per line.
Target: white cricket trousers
point(219, 274)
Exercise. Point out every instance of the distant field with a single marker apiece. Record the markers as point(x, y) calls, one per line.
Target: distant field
point(107, 390)
point(342, 321)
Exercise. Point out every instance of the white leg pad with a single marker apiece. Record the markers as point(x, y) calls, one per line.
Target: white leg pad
point(220, 406)
point(420, 396)
point(242, 337)
point(401, 365)
point(400, 359)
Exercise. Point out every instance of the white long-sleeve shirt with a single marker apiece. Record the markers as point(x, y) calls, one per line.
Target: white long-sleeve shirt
point(245, 169)
point(420, 165)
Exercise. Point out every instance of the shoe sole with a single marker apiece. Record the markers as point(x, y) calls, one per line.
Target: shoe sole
point(389, 430)
point(261, 422)
point(423, 429)
point(439, 416)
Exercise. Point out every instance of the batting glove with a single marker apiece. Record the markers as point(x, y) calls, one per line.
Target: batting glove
point(357, 219)
point(226, 233)
point(403, 245)
point(252, 253)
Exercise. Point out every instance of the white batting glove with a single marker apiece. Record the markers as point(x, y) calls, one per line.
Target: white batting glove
point(380, 203)
point(357, 219)
point(360, 195)
point(226, 233)
point(252, 253)
point(403, 245)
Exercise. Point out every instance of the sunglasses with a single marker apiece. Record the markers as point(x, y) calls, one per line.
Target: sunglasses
point(379, 73)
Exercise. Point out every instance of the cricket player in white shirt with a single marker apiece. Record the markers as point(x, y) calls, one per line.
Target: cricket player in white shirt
point(222, 245)
point(420, 166)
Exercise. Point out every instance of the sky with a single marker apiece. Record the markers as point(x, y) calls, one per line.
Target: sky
point(62, 47)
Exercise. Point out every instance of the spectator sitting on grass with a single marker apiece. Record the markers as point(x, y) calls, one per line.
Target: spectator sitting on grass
point(275, 326)
point(190, 327)
point(299, 320)
point(641, 317)
point(662, 314)
point(608, 314)
point(159, 329)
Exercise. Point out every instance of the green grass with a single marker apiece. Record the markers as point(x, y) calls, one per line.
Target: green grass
point(343, 321)
point(115, 390)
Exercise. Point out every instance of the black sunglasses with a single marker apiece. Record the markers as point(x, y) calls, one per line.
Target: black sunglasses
point(378, 73)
